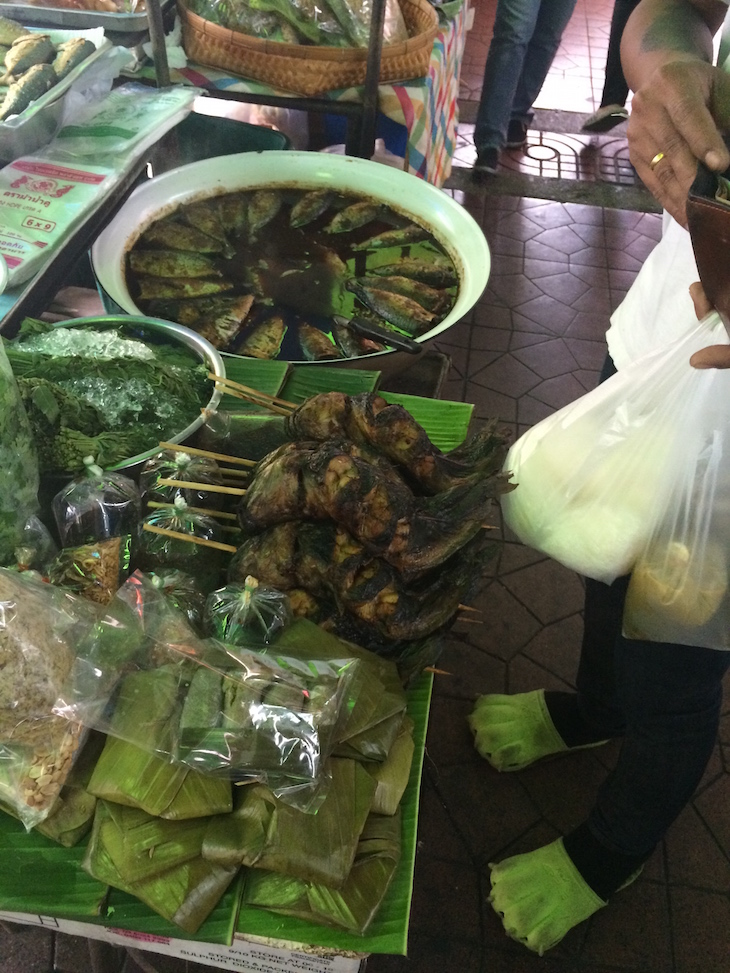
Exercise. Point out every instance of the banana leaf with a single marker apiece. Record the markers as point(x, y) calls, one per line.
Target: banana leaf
point(174, 881)
point(352, 907)
point(377, 691)
point(125, 774)
point(40, 876)
point(275, 836)
point(392, 775)
point(200, 796)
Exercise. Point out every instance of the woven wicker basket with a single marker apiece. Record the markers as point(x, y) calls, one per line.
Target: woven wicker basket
point(310, 69)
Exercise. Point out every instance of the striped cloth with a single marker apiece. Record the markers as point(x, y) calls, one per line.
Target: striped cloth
point(426, 107)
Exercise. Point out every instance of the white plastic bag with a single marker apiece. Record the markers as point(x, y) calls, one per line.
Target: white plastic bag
point(593, 478)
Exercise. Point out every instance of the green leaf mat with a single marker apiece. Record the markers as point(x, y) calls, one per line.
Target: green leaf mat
point(389, 930)
point(40, 876)
point(306, 380)
point(445, 422)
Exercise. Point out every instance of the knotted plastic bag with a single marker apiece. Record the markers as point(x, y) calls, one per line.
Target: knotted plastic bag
point(248, 615)
point(678, 590)
point(592, 478)
point(174, 465)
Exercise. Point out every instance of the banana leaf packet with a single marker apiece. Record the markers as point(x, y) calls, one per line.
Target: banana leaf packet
point(356, 903)
point(19, 474)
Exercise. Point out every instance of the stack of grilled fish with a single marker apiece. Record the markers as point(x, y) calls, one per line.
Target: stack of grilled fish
point(33, 64)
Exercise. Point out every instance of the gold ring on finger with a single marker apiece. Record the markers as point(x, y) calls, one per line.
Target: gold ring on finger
point(656, 160)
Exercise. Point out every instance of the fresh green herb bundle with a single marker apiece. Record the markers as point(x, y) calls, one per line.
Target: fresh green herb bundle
point(106, 396)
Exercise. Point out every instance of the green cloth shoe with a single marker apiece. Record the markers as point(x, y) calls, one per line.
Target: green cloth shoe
point(541, 896)
point(512, 732)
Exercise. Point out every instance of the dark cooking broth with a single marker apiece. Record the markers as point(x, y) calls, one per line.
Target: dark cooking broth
point(299, 277)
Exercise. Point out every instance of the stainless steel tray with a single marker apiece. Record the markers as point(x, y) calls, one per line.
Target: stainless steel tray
point(27, 13)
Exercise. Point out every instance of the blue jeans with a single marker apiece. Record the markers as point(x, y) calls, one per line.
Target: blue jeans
point(664, 700)
point(526, 36)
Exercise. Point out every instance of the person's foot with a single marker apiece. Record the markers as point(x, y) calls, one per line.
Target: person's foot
point(540, 896)
point(513, 731)
point(606, 118)
point(516, 134)
point(487, 161)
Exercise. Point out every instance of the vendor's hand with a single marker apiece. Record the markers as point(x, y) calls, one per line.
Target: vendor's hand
point(715, 356)
point(673, 113)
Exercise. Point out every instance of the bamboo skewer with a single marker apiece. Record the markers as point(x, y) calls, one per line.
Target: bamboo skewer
point(176, 535)
point(469, 621)
point(207, 487)
point(208, 454)
point(281, 406)
point(234, 473)
point(222, 514)
point(262, 402)
point(468, 608)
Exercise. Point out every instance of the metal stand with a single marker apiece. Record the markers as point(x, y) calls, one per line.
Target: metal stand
point(361, 115)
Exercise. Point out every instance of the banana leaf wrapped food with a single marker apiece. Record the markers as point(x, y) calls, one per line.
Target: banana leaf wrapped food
point(160, 862)
point(351, 907)
point(264, 832)
point(250, 614)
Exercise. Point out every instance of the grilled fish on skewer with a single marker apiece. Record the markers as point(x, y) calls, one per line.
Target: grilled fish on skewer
point(392, 431)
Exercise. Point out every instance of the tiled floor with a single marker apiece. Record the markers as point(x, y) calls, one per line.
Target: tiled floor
point(534, 342)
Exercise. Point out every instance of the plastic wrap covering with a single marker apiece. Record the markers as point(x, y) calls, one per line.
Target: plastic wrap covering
point(36, 549)
point(183, 592)
point(159, 550)
point(243, 716)
point(97, 517)
point(311, 20)
point(41, 630)
point(18, 465)
point(249, 614)
point(173, 465)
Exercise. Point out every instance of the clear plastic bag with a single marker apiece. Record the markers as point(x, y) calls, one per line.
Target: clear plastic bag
point(678, 591)
point(183, 592)
point(159, 550)
point(19, 478)
point(248, 615)
point(592, 477)
point(97, 517)
point(174, 465)
point(41, 630)
point(243, 716)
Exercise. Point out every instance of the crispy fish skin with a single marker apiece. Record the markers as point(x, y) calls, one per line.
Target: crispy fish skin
point(204, 216)
point(70, 54)
point(354, 216)
point(221, 329)
point(438, 273)
point(152, 287)
point(402, 237)
point(169, 234)
point(429, 297)
point(233, 213)
point(10, 31)
point(263, 206)
point(35, 82)
point(265, 339)
point(309, 206)
point(172, 263)
point(316, 346)
point(401, 311)
point(26, 51)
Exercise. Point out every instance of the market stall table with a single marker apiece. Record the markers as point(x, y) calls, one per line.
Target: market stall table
point(424, 111)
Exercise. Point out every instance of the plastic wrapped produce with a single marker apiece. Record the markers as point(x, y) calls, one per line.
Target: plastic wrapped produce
point(183, 592)
point(173, 465)
point(18, 463)
point(248, 615)
point(97, 517)
point(40, 627)
point(160, 550)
